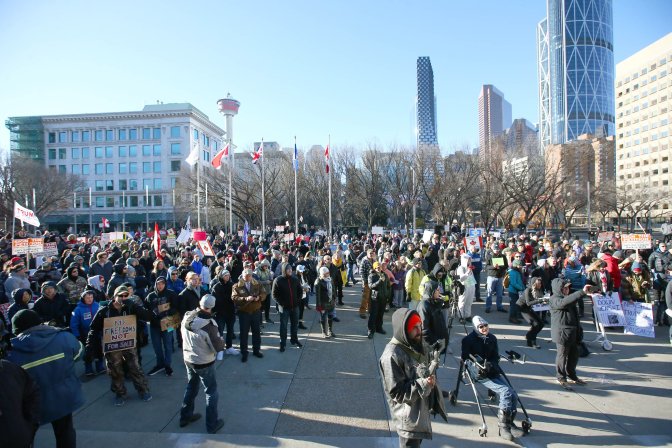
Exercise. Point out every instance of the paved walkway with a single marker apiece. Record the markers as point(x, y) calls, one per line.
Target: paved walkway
point(329, 394)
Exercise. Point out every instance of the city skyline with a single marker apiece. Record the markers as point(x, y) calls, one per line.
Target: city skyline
point(354, 78)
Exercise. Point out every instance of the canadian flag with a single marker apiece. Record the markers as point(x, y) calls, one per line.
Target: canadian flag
point(258, 153)
point(217, 160)
point(157, 242)
point(106, 222)
point(326, 158)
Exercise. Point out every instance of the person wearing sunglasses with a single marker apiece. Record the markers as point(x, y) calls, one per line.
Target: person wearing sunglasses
point(481, 343)
point(120, 306)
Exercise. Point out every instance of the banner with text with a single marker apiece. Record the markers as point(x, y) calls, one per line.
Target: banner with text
point(27, 246)
point(636, 241)
point(609, 311)
point(639, 319)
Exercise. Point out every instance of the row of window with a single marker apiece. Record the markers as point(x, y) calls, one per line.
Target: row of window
point(109, 152)
point(122, 201)
point(643, 128)
point(122, 168)
point(644, 151)
point(110, 135)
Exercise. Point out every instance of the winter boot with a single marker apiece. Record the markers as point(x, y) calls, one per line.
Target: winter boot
point(331, 326)
point(515, 430)
point(88, 369)
point(325, 333)
point(504, 425)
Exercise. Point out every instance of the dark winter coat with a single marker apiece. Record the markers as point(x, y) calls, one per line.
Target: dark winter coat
point(94, 340)
point(19, 406)
point(55, 310)
point(565, 322)
point(484, 346)
point(224, 305)
point(187, 300)
point(287, 291)
point(156, 298)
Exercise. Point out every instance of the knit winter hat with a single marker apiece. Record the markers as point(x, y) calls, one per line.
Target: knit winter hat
point(207, 301)
point(636, 265)
point(478, 321)
point(412, 321)
point(24, 320)
point(324, 270)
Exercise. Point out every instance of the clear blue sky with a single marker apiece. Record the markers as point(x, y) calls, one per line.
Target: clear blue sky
point(304, 68)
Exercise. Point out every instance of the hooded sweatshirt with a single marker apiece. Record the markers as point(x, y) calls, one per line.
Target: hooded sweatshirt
point(200, 339)
point(48, 355)
point(564, 314)
point(18, 305)
point(483, 346)
point(80, 322)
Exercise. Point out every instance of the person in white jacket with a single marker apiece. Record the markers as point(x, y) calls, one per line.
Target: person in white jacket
point(466, 276)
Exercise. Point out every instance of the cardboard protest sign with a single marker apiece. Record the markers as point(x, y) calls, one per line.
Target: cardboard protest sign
point(377, 230)
point(541, 307)
point(608, 310)
point(206, 248)
point(636, 241)
point(27, 246)
point(499, 261)
point(427, 235)
point(170, 323)
point(119, 333)
point(472, 242)
point(639, 319)
point(604, 236)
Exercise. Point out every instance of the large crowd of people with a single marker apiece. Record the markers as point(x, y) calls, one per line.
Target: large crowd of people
point(207, 306)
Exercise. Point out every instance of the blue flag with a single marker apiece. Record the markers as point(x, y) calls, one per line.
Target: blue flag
point(246, 230)
point(296, 158)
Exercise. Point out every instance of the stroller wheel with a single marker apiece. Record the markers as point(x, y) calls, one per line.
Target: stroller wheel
point(452, 397)
point(482, 432)
point(607, 346)
point(526, 425)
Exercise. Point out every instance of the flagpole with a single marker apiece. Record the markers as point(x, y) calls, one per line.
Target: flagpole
point(295, 166)
point(90, 213)
point(147, 206)
point(174, 209)
point(329, 162)
point(206, 205)
point(263, 201)
point(198, 190)
point(34, 208)
point(74, 211)
point(123, 211)
point(230, 160)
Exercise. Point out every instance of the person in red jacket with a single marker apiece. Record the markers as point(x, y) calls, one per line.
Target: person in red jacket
point(614, 271)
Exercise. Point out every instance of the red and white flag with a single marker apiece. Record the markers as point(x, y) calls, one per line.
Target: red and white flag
point(258, 154)
point(157, 242)
point(217, 160)
point(326, 158)
point(106, 223)
point(25, 215)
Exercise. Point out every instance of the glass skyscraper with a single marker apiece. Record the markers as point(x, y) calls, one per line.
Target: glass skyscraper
point(426, 106)
point(576, 70)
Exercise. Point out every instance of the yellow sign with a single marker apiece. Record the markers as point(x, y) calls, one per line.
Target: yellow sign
point(119, 333)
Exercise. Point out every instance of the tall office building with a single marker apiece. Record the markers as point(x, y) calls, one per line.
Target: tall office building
point(576, 70)
point(131, 161)
point(644, 123)
point(494, 117)
point(426, 105)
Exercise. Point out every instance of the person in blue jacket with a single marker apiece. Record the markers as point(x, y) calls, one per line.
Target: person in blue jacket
point(80, 322)
point(48, 354)
point(516, 286)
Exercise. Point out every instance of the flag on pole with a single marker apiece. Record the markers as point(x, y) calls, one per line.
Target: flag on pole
point(296, 158)
point(192, 158)
point(217, 160)
point(25, 215)
point(326, 158)
point(157, 242)
point(106, 223)
point(258, 153)
point(185, 233)
point(246, 230)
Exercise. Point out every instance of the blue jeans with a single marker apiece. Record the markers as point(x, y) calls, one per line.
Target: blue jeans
point(206, 375)
point(293, 316)
point(162, 342)
point(226, 322)
point(513, 307)
point(477, 276)
point(495, 285)
point(350, 277)
point(245, 322)
point(507, 396)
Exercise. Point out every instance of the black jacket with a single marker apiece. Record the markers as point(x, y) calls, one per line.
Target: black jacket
point(19, 406)
point(224, 306)
point(287, 291)
point(187, 300)
point(55, 310)
point(485, 347)
point(495, 271)
point(94, 339)
point(433, 322)
point(565, 322)
point(156, 298)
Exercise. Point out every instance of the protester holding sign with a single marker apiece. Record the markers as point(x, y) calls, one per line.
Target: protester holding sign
point(113, 332)
point(163, 303)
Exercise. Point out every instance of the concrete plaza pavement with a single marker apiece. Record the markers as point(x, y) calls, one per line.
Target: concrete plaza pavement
point(329, 394)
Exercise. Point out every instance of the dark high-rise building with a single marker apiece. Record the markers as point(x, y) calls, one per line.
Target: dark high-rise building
point(426, 105)
point(576, 70)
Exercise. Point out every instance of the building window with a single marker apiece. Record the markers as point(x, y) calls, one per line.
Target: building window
point(100, 185)
point(86, 136)
point(156, 133)
point(133, 168)
point(158, 201)
point(196, 134)
point(173, 182)
point(98, 136)
point(62, 137)
point(175, 149)
point(109, 185)
point(100, 169)
point(158, 184)
point(99, 152)
point(123, 184)
point(146, 133)
point(74, 153)
point(52, 153)
point(109, 168)
point(174, 132)
point(109, 135)
point(133, 151)
point(52, 137)
point(62, 169)
point(146, 184)
point(109, 202)
point(123, 151)
point(146, 167)
point(157, 150)
point(109, 152)
point(122, 134)
point(133, 201)
point(146, 150)
point(100, 202)
point(75, 136)
point(85, 169)
point(132, 134)
point(75, 169)
point(85, 153)
point(157, 167)
point(133, 184)
point(123, 168)
point(175, 166)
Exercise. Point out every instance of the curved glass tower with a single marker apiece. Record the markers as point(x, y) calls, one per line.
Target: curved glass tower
point(576, 70)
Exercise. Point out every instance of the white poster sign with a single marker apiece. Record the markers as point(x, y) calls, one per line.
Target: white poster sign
point(639, 319)
point(609, 311)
